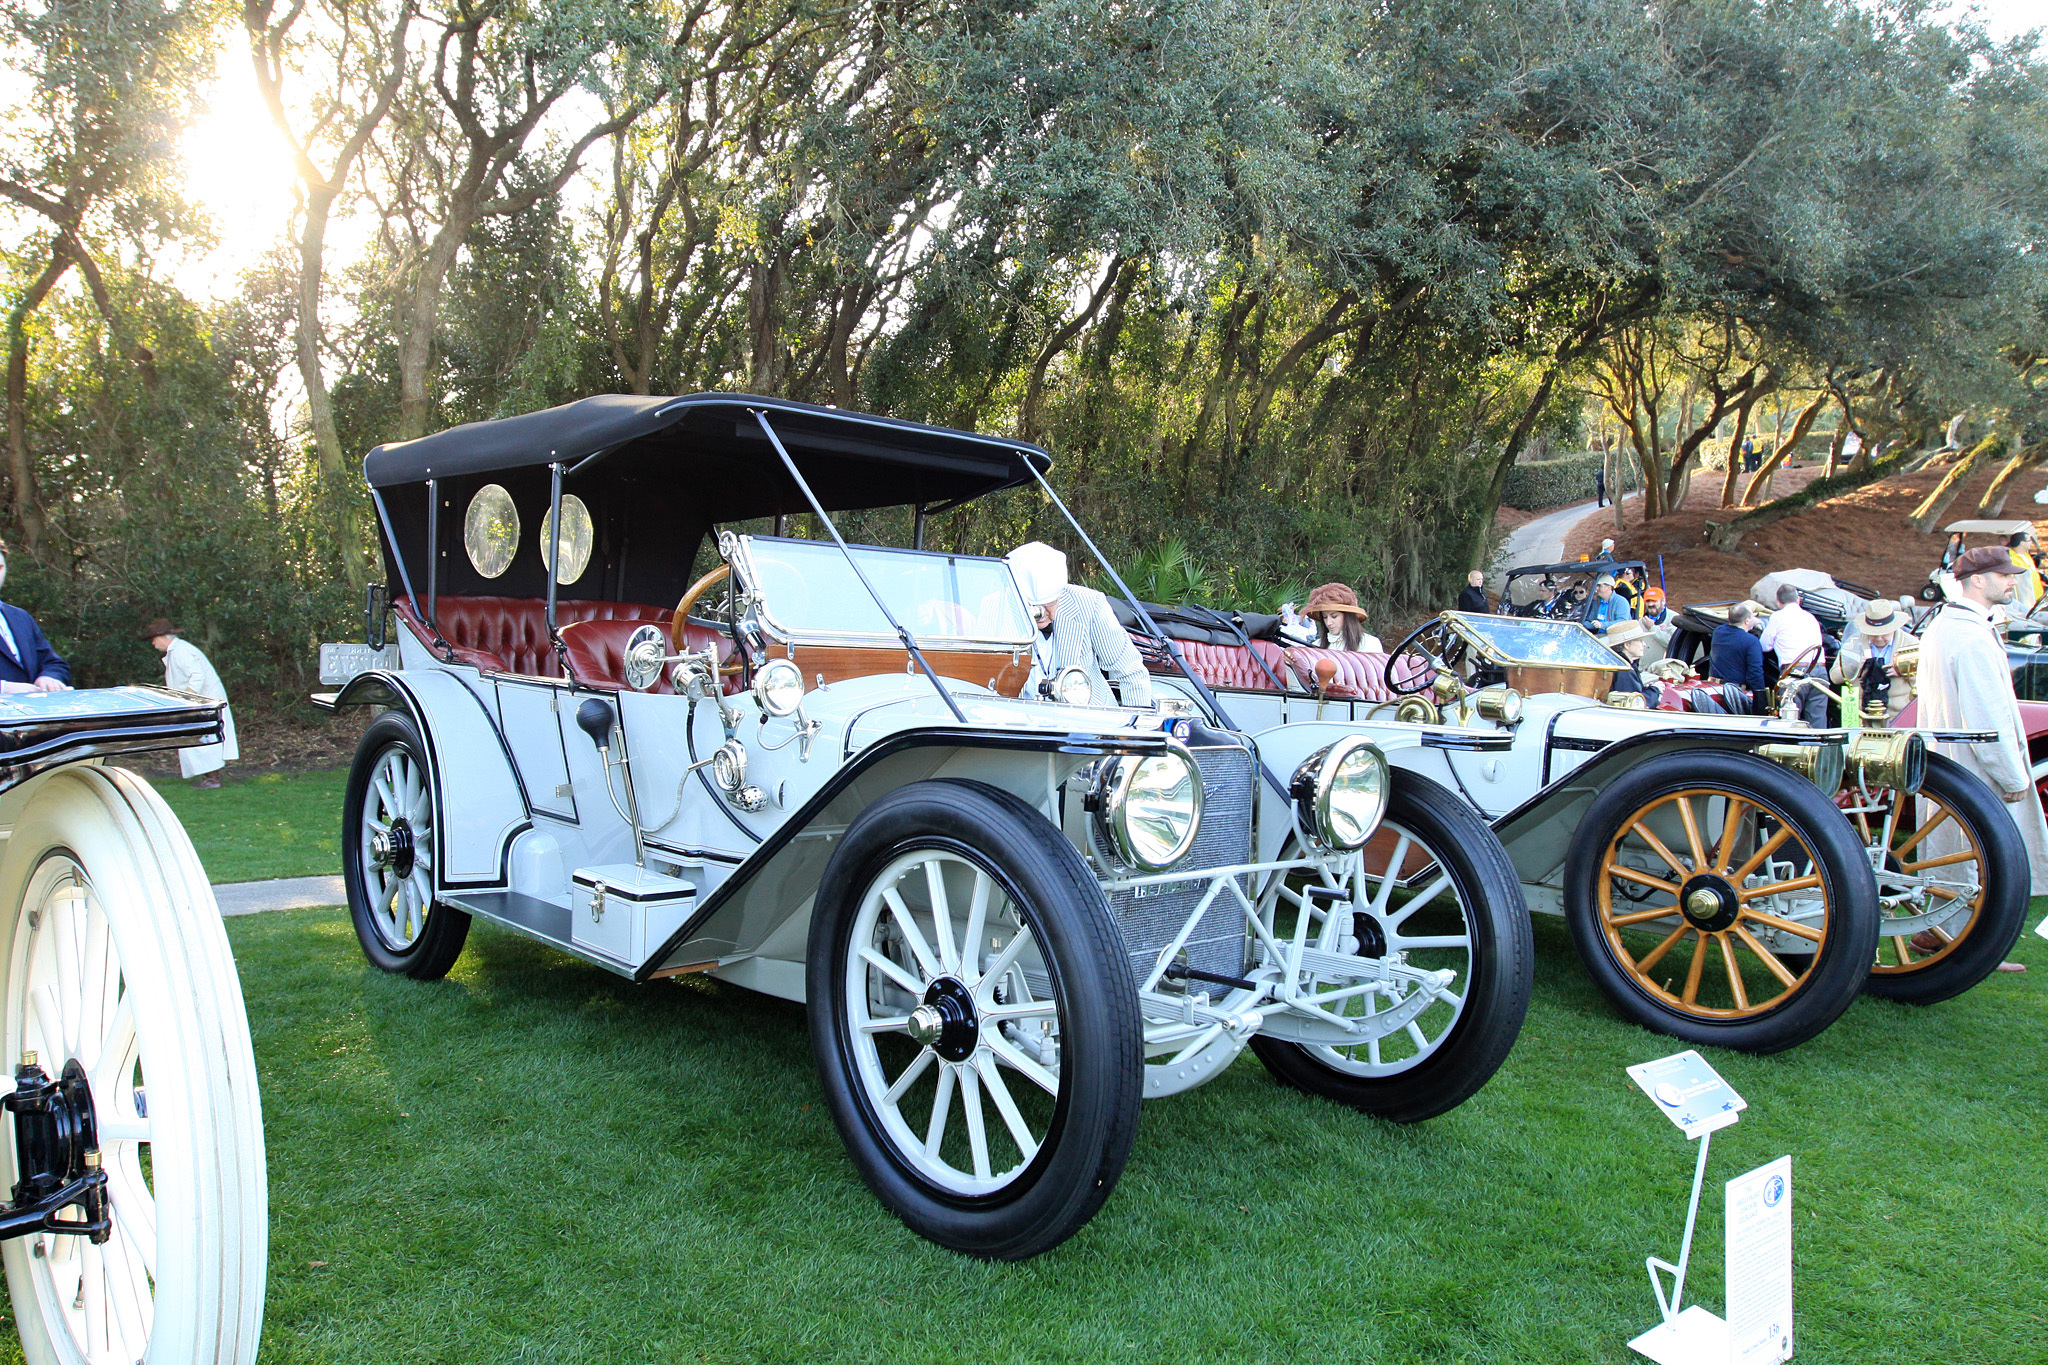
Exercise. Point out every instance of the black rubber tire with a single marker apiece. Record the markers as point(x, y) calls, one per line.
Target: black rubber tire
point(1992, 931)
point(1496, 996)
point(1095, 1118)
point(433, 951)
point(1837, 974)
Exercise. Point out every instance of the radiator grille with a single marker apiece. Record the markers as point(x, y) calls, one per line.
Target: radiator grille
point(1151, 917)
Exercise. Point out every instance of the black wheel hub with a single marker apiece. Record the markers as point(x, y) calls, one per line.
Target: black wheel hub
point(1709, 902)
point(946, 1022)
point(394, 848)
point(1372, 939)
point(57, 1157)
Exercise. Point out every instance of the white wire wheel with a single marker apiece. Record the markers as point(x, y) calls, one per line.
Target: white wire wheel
point(116, 959)
point(387, 855)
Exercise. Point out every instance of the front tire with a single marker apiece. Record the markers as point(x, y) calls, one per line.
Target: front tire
point(1436, 884)
point(1689, 878)
point(961, 948)
point(387, 855)
point(1983, 874)
point(116, 960)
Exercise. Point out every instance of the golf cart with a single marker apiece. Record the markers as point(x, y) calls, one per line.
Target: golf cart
point(1560, 592)
point(1963, 536)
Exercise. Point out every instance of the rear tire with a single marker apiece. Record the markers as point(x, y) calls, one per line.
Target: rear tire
point(387, 855)
point(1979, 940)
point(953, 906)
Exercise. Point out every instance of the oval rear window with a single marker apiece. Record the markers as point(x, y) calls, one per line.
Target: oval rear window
point(490, 530)
point(577, 537)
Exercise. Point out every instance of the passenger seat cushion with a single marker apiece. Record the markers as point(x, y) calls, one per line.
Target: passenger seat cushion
point(510, 634)
point(1360, 676)
point(1215, 665)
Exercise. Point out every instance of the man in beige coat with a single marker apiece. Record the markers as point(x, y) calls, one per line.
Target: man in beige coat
point(1966, 684)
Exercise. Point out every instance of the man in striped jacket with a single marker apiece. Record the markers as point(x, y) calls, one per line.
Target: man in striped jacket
point(1077, 629)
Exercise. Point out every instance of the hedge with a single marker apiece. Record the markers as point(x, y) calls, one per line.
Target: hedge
point(1555, 483)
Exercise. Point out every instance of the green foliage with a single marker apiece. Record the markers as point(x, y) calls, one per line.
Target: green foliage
point(265, 825)
point(1535, 484)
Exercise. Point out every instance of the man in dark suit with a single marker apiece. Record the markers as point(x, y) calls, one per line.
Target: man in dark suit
point(1737, 656)
point(1472, 597)
point(27, 663)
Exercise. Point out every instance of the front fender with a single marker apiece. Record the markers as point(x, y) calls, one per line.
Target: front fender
point(473, 836)
point(762, 912)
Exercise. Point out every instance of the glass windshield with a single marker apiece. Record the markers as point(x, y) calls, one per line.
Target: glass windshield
point(1521, 640)
point(808, 591)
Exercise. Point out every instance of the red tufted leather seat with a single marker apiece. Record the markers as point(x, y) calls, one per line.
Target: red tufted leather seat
point(597, 652)
point(510, 634)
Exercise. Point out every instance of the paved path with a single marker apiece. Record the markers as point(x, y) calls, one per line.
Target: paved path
point(289, 893)
point(1538, 542)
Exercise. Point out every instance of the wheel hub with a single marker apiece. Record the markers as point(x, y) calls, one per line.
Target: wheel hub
point(394, 848)
point(1709, 902)
point(946, 1022)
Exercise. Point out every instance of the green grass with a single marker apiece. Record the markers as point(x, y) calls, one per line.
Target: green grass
point(535, 1161)
point(268, 825)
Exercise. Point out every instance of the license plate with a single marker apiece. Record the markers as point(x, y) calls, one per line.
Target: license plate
point(340, 663)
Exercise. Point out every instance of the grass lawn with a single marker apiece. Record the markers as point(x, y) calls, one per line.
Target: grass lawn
point(266, 825)
point(535, 1161)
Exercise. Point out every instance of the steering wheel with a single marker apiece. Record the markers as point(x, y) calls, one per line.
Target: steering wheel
point(676, 638)
point(1433, 645)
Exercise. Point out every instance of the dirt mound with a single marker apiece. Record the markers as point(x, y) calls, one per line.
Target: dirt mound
point(1861, 536)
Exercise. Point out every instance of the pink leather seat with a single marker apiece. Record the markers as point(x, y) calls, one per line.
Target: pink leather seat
point(1359, 676)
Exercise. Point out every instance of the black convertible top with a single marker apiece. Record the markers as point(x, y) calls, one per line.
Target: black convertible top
point(1578, 566)
point(712, 446)
point(656, 475)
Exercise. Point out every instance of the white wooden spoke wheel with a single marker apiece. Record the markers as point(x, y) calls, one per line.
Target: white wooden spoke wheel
point(396, 846)
point(957, 1027)
point(1433, 908)
point(974, 1022)
point(387, 855)
point(119, 973)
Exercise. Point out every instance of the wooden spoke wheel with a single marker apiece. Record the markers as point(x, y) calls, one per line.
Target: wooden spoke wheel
point(1952, 883)
point(1722, 899)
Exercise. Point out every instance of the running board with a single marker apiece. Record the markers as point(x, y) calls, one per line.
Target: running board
point(534, 917)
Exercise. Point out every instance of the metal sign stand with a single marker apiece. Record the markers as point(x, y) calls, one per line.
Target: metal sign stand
point(1695, 1098)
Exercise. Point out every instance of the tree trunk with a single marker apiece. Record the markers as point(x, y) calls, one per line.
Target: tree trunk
point(1993, 501)
point(1735, 444)
point(319, 403)
point(1800, 426)
point(1924, 517)
point(25, 504)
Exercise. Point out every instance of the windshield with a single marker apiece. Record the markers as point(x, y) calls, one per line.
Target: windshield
point(807, 592)
point(1522, 640)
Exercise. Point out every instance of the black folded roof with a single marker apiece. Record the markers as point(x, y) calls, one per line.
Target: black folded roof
point(712, 445)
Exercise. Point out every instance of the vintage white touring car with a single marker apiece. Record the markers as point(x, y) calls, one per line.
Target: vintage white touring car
point(137, 1224)
point(1713, 888)
point(829, 772)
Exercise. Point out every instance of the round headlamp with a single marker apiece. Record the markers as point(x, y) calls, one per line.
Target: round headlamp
point(1500, 704)
point(1150, 808)
point(1821, 764)
point(1072, 687)
point(779, 687)
point(1889, 758)
point(1341, 791)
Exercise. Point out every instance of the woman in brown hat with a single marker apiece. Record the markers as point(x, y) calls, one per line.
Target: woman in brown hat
point(187, 670)
point(1339, 621)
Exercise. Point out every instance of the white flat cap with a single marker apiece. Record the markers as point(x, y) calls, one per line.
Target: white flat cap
point(1041, 571)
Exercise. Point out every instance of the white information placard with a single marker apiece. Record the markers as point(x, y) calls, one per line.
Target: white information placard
point(1759, 1262)
point(1689, 1092)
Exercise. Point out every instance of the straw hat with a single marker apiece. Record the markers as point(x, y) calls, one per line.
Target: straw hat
point(1880, 617)
point(1333, 597)
point(1621, 632)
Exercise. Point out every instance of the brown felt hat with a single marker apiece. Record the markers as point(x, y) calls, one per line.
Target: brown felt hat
point(1333, 597)
point(1984, 559)
point(160, 626)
